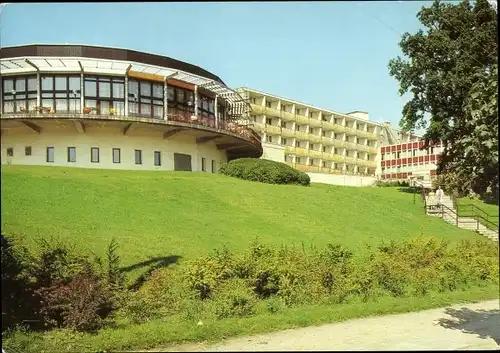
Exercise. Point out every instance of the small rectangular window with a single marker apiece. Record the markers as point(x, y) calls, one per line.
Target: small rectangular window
point(50, 154)
point(94, 155)
point(71, 154)
point(157, 158)
point(213, 166)
point(297, 160)
point(27, 150)
point(203, 167)
point(10, 152)
point(138, 157)
point(116, 155)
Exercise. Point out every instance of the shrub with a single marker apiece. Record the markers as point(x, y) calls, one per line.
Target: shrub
point(234, 299)
point(264, 171)
point(395, 183)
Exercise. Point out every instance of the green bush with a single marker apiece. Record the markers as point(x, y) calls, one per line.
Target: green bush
point(264, 171)
point(396, 183)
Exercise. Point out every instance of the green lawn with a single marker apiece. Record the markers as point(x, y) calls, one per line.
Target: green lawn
point(490, 210)
point(160, 214)
point(154, 215)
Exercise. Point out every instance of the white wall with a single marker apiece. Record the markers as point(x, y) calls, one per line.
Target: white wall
point(107, 138)
point(345, 180)
point(273, 152)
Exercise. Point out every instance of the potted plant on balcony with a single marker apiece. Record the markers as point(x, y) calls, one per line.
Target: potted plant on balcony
point(87, 110)
point(112, 111)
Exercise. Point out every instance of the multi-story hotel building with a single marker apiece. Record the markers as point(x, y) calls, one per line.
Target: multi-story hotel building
point(97, 107)
point(321, 141)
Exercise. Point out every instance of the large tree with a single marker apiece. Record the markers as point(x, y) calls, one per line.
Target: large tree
point(451, 71)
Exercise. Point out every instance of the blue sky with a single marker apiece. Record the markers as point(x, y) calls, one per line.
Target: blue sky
point(330, 54)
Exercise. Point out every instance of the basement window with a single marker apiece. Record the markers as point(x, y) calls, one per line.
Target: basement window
point(94, 155)
point(10, 152)
point(27, 150)
point(138, 157)
point(71, 154)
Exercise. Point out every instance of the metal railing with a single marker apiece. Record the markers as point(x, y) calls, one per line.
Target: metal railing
point(476, 215)
point(173, 115)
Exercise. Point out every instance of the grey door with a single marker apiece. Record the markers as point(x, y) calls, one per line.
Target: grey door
point(182, 162)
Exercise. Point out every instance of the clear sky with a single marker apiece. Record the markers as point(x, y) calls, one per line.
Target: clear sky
point(332, 55)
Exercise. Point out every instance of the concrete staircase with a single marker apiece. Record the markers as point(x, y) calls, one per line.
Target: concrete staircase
point(462, 222)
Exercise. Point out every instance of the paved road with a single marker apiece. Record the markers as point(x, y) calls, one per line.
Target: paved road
point(460, 327)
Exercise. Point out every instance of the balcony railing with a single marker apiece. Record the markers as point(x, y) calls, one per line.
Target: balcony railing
point(314, 138)
point(371, 136)
point(174, 115)
point(288, 116)
point(315, 153)
point(318, 169)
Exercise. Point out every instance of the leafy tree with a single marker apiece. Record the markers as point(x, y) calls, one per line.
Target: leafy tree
point(452, 77)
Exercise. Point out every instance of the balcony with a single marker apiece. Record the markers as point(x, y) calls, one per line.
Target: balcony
point(350, 160)
point(287, 132)
point(362, 133)
point(327, 141)
point(287, 116)
point(372, 150)
point(351, 146)
point(302, 136)
point(315, 154)
point(338, 143)
point(371, 136)
point(333, 157)
point(351, 131)
point(339, 128)
point(258, 109)
point(314, 138)
point(176, 117)
point(301, 119)
point(314, 169)
point(272, 112)
point(301, 152)
point(270, 129)
point(315, 122)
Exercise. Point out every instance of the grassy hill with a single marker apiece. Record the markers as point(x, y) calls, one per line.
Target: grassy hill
point(160, 214)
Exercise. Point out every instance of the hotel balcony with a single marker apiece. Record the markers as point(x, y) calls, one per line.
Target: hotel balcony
point(258, 109)
point(315, 122)
point(300, 119)
point(350, 131)
point(316, 154)
point(371, 136)
point(315, 138)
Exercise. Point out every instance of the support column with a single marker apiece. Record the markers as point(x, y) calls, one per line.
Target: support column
point(126, 89)
point(38, 90)
point(196, 101)
point(216, 110)
point(165, 100)
point(82, 96)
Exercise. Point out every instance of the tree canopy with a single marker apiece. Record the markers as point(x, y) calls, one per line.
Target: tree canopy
point(451, 71)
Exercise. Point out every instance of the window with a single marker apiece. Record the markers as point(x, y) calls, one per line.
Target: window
point(269, 138)
point(105, 95)
point(10, 152)
point(71, 154)
point(311, 161)
point(311, 146)
point(138, 157)
point(206, 107)
point(94, 155)
point(27, 151)
point(283, 124)
point(61, 93)
point(283, 141)
point(116, 155)
point(297, 127)
point(432, 150)
point(297, 160)
point(414, 153)
point(213, 166)
point(324, 133)
point(157, 158)
point(19, 94)
point(310, 115)
point(382, 156)
point(268, 104)
point(181, 101)
point(324, 148)
point(50, 154)
point(398, 155)
point(297, 143)
point(269, 121)
point(203, 164)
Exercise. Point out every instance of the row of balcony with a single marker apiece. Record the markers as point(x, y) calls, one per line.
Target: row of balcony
point(304, 120)
point(317, 169)
point(303, 136)
point(302, 152)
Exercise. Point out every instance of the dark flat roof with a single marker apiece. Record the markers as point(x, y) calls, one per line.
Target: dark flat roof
point(88, 51)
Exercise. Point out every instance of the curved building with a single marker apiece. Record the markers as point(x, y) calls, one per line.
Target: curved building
point(88, 106)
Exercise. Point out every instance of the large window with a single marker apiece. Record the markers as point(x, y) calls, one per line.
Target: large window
point(145, 99)
point(180, 101)
point(138, 157)
point(94, 154)
point(206, 108)
point(105, 95)
point(61, 93)
point(19, 94)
